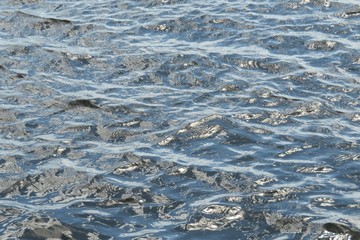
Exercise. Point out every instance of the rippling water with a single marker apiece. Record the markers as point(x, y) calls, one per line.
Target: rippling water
point(180, 119)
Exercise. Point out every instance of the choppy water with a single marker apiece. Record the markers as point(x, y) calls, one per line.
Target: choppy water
point(179, 119)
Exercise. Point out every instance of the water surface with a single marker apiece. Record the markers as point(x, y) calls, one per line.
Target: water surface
point(177, 119)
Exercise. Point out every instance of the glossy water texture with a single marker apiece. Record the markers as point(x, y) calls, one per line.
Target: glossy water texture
point(179, 119)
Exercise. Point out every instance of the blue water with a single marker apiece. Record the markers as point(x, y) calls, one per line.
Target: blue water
point(177, 119)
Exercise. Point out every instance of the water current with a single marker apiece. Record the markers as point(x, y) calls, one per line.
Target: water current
point(179, 119)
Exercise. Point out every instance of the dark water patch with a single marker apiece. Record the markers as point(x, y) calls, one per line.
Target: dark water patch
point(227, 215)
point(336, 28)
point(7, 116)
point(30, 24)
point(133, 63)
point(322, 169)
point(44, 153)
point(350, 14)
point(83, 103)
point(334, 230)
point(176, 71)
point(25, 2)
point(9, 166)
point(134, 167)
point(213, 126)
point(164, 2)
point(39, 185)
point(43, 227)
point(285, 44)
point(267, 65)
point(322, 45)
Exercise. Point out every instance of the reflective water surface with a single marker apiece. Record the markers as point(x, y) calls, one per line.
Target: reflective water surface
point(178, 119)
